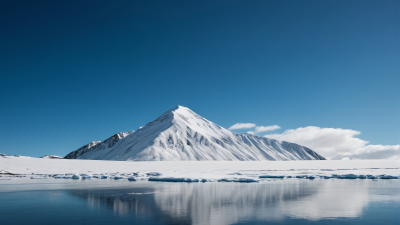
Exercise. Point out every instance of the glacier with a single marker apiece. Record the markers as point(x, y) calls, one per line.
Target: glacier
point(182, 135)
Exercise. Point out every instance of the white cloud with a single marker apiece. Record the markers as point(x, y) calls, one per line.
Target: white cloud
point(336, 143)
point(241, 126)
point(266, 128)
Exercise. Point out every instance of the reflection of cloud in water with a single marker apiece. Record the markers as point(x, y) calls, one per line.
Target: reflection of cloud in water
point(227, 203)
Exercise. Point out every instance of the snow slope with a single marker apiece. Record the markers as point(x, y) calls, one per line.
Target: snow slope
point(182, 135)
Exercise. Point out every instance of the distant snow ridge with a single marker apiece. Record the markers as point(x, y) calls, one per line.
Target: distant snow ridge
point(12, 156)
point(98, 146)
point(18, 156)
point(181, 135)
point(51, 157)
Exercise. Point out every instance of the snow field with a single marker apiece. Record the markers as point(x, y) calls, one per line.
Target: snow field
point(199, 171)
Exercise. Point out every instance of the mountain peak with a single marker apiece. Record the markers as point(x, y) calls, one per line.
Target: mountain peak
point(177, 107)
point(181, 134)
point(180, 109)
point(184, 111)
point(174, 113)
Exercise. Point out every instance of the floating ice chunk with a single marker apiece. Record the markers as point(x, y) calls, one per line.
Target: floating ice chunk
point(248, 180)
point(58, 176)
point(103, 177)
point(38, 177)
point(272, 176)
point(312, 177)
point(166, 179)
point(119, 177)
point(85, 176)
point(76, 177)
point(190, 180)
point(132, 178)
point(242, 180)
point(206, 180)
point(371, 177)
point(348, 176)
point(384, 176)
point(175, 179)
point(226, 180)
point(362, 177)
point(153, 174)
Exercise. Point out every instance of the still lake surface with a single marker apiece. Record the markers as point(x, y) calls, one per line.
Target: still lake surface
point(289, 201)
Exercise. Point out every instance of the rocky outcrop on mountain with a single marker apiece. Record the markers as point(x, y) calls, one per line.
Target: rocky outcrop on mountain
point(96, 146)
point(51, 157)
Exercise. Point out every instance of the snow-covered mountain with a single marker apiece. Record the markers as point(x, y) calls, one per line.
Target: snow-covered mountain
point(181, 135)
point(12, 156)
point(4, 155)
point(19, 156)
point(51, 157)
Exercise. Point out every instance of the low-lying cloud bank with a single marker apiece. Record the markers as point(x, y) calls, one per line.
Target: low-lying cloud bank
point(337, 143)
point(332, 143)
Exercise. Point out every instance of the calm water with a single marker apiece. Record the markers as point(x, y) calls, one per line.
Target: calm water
point(291, 201)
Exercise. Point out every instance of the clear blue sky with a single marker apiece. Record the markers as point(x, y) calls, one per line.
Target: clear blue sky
point(76, 71)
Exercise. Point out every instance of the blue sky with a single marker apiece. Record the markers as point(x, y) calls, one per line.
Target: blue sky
point(76, 71)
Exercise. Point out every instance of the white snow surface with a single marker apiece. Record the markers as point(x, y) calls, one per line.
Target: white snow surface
point(182, 135)
point(200, 169)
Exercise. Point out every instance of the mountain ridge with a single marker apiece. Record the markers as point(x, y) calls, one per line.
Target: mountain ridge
point(180, 134)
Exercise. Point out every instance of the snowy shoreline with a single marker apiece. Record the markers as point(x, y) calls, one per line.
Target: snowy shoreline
point(201, 169)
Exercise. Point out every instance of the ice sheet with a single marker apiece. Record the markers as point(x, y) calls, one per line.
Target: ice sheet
point(201, 169)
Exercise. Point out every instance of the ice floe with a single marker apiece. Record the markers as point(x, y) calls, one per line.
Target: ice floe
point(272, 176)
point(132, 178)
point(39, 177)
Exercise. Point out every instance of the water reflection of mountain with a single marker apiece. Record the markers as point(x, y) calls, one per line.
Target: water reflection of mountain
point(227, 203)
point(118, 200)
point(129, 201)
